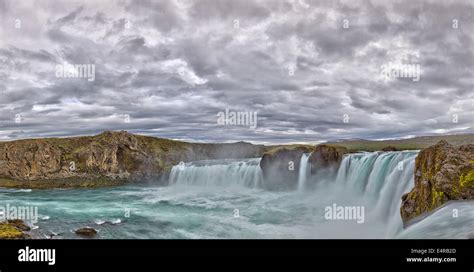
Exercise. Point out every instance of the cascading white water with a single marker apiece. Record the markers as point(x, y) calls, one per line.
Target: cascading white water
point(375, 181)
point(380, 179)
point(244, 172)
point(303, 171)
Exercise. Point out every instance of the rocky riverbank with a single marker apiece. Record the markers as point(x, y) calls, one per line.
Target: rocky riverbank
point(443, 172)
point(110, 158)
point(14, 229)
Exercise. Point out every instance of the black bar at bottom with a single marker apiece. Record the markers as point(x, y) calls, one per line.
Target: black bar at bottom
point(448, 255)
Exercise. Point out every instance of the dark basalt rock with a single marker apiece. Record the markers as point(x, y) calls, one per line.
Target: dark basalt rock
point(86, 232)
point(19, 224)
point(389, 148)
point(280, 166)
point(325, 160)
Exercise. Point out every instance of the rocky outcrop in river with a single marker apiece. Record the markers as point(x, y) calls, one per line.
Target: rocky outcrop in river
point(280, 166)
point(442, 173)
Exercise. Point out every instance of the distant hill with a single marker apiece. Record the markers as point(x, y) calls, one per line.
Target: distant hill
point(403, 144)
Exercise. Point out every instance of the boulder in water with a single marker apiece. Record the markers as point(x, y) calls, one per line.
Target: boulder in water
point(19, 224)
point(86, 232)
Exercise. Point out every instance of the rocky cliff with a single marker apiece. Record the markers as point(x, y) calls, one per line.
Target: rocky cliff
point(325, 160)
point(280, 166)
point(106, 159)
point(442, 173)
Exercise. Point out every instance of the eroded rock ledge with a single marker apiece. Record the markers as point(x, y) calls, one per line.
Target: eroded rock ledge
point(110, 158)
point(442, 173)
point(280, 166)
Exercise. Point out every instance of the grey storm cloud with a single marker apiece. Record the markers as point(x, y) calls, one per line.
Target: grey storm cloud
point(167, 68)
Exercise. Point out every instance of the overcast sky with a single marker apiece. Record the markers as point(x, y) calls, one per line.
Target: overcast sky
point(311, 70)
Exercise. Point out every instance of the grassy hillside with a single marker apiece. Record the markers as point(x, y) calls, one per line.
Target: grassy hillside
point(405, 144)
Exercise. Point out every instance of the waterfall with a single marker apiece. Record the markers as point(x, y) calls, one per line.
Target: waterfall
point(244, 172)
point(373, 180)
point(303, 171)
point(380, 179)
